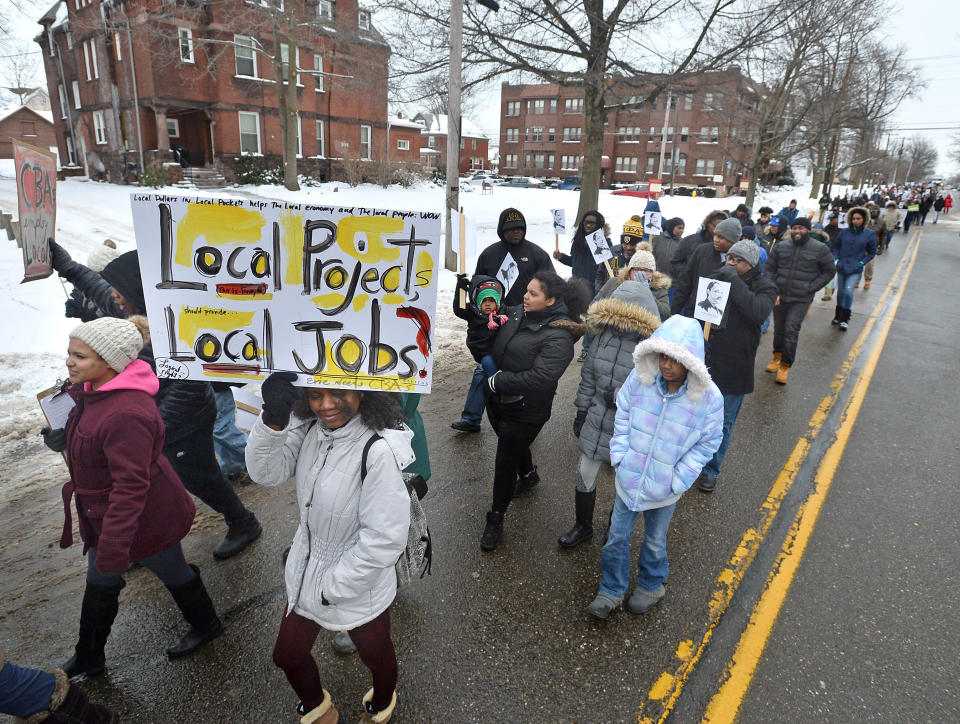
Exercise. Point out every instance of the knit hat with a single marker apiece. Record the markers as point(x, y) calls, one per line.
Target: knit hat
point(123, 274)
point(643, 258)
point(801, 221)
point(511, 219)
point(102, 255)
point(748, 232)
point(729, 229)
point(746, 250)
point(491, 289)
point(117, 341)
point(632, 230)
point(637, 294)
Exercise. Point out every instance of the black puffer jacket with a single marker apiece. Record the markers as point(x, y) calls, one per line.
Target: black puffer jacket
point(86, 282)
point(732, 349)
point(687, 245)
point(532, 351)
point(799, 270)
point(704, 261)
point(529, 258)
point(580, 258)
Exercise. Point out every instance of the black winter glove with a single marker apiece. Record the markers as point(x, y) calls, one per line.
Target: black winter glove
point(279, 394)
point(72, 308)
point(578, 422)
point(59, 257)
point(56, 440)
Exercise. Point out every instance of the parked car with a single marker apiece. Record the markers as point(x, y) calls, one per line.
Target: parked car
point(641, 191)
point(522, 182)
point(570, 183)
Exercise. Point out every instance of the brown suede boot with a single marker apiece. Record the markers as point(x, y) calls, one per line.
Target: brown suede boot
point(782, 373)
point(775, 365)
point(827, 293)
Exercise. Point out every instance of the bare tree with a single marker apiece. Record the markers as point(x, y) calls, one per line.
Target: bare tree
point(20, 68)
point(921, 158)
point(954, 151)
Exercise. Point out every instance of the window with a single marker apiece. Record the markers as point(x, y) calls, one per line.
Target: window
point(513, 108)
point(510, 160)
point(50, 41)
point(670, 134)
point(246, 59)
point(627, 164)
point(68, 36)
point(704, 167)
point(709, 134)
point(365, 143)
point(572, 135)
point(403, 144)
point(173, 128)
point(667, 164)
point(652, 135)
point(688, 102)
point(461, 144)
point(709, 167)
point(90, 60)
point(538, 107)
point(476, 162)
point(117, 52)
point(537, 134)
point(431, 142)
point(553, 105)
point(99, 128)
point(708, 101)
point(186, 44)
point(325, 10)
point(76, 94)
point(71, 156)
point(28, 128)
point(285, 64)
point(249, 132)
point(568, 163)
point(320, 139)
point(573, 105)
point(473, 144)
point(318, 66)
point(296, 130)
point(363, 17)
point(685, 133)
point(538, 160)
point(512, 135)
point(715, 134)
point(63, 100)
point(682, 164)
point(651, 163)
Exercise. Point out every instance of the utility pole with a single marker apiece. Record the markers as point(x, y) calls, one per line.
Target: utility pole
point(896, 167)
point(674, 150)
point(663, 137)
point(453, 128)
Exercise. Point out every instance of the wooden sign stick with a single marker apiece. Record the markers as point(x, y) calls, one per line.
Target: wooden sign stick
point(606, 263)
point(556, 241)
point(706, 330)
point(463, 255)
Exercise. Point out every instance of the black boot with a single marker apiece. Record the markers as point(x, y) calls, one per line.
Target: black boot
point(837, 316)
point(197, 609)
point(583, 528)
point(492, 532)
point(69, 705)
point(240, 534)
point(97, 612)
point(526, 483)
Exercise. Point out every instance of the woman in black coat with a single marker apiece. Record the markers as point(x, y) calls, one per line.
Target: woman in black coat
point(581, 258)
point(531, 350)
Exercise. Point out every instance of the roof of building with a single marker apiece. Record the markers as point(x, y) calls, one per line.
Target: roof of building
point(436, 123)
point(403, 123)
point(5, 113)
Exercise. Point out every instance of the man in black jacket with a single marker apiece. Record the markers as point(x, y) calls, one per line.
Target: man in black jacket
point(800, 267)
point(705, 260)
point(687, 245)
point(526, 259)
point(732, 349)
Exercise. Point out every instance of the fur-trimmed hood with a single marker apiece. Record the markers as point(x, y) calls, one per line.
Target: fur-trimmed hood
point(621, 316)
point(682, 339)
point(866, 216)
point(577, 329)
point(715, 212)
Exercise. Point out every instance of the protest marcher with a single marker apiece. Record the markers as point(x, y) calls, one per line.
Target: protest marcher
point(665, 244)
point(528, 259)
point(531, 351)
point(763, 219)
point(788, 213)
point(926, 203)
point(800, 267)
point(852, 249)
point(187, 407)
point(229, 441)
point(479, 306)
point(619, 322)
point(584, 263)
point(731, 350)
point(891, 219)
point(643, 263)
point(130, 504)
point(938, 206)
point(742, 214)
point(78, 305)
point(631, 235)
point(669, 422)
point(704, 261)
point(771, 234)
point(687, 245)
point(35, 696)
point(339, 573)
point(948, 203)
point(875, 223)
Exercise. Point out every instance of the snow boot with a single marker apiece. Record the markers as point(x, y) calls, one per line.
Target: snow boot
point(197, 608)
point(326, 713)
point(603, 605)
point(240, 534)
point(845, 319)
point(492, 532)
point(526, 483)
point(641, 601)
point(342, 643)
point(373, 716)
point(775, 364)
point(783, 373)
point(866, 286)
point(837, 316)
point(827, 294)
point(69, 705)
point(583, 528)
point(97, 612)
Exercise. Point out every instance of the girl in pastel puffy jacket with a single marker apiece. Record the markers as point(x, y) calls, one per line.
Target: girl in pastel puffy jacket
point(669, 423)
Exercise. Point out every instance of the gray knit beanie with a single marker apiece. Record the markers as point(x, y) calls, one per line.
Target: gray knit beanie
point(117, 341)
point(729, 229)
point(746, 250)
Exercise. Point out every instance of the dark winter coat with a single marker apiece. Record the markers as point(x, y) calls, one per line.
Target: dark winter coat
point(529, 258)
point(852, 248)
point(665, 244)
point(732, 348)
point(799, 270)
point(581, 258)
point(939, 204)
point(130, 502)
point(80, 307)
point(787, 215)
point(685, 247)
point(617, 327)
point(479, 334)
point(704, 261)
point(532, 351)
point(618, 262)
point(88, 284)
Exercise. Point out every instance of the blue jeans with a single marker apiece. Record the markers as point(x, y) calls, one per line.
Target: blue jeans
point(889, 237)
point(652, 565)
point(24, 691)
point(845, 284)
point(228, 441)
point(766, 323)
point(473, 407)
point(731, 408)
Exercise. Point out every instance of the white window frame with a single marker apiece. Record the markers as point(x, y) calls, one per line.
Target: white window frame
point(90, 60)
point(363, 19)
point(510, 160)
point(173, 128)
point(651, 163)
point(117, 51)
point(553, 105)
point(71, 153)
point(62, 93)
point(318, 66)
point(50, 41)
point(568, 162)
point(99, 128)
point(285, 61)
point(321, 139)
point(75, 86)
point(403, 144)
point(238, 43)
point(513, 108)
point(68, 36)
point(299, 129)
point(573, 105)
point(325, 10)
point(256, 116)
point(369, 154)
point(431, 142)
point(186, 34)
point(708, 101)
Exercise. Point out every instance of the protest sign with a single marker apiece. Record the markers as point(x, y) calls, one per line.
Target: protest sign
point(842, 220)
point(235, 289)
point(508, 273)
point(599, 246)
point(36, 172)
point(711, 301)
point(559, 221)
point(652, 223)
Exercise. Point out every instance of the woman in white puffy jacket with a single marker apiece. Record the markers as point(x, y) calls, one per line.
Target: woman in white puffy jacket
point(340, 571)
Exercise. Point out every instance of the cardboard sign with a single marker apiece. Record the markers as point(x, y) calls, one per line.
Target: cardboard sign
point(559, 221)
point(744, 184)
point(36, 172)
point(508, 273)
point(712, 295)
point(599, 246)
point(468, 243)
point(842, 220)
point(236, 289)
point(652, 223)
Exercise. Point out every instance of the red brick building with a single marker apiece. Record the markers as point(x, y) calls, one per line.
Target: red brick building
point(474, 143)
point(25, 124)
point(403, 140)
point(195, 80)
point(709, 130)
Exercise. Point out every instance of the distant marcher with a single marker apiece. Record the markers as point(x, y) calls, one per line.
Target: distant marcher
point(853, 248)
point(581, 258)
point(891, 220)
point(687, 245)
point(789, 213)
point(630, 236)
point(938, 206)
point(948, 203)
point(665, 244)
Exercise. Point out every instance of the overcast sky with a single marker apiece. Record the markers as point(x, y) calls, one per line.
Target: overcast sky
point(929, 29)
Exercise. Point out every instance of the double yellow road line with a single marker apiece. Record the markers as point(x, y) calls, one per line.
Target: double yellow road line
point(739, 672)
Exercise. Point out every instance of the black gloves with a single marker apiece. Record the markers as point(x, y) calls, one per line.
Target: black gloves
point(279, 394)
point(56, 440)
point(578, 422)
point(72, 308)
point(59, 257)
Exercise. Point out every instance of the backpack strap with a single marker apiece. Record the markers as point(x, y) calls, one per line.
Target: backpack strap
point(366, 450)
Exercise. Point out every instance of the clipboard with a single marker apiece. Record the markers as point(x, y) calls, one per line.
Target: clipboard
point(55, 404)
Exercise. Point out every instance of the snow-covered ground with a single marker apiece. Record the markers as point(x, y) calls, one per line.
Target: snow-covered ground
point(34, 339)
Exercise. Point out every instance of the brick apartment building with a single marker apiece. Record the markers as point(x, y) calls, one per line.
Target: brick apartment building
point(404, 137)
point(474, 143)
point(709, 130)
point(189, 79)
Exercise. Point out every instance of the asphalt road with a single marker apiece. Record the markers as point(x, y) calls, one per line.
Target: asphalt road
point(504, 637)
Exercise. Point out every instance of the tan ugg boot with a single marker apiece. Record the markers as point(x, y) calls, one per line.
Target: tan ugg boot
point(866, 285)
point(775, 365)
point(782, 373)
point(326, 713)
point(380, 717)
point(827, 293)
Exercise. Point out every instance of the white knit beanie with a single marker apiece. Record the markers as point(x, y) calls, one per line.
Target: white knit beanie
point(643, 258)
point(117, 341)
point(101, 256)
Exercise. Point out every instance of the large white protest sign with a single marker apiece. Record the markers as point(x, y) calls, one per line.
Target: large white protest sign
point(711, 301)
point(652, 223)
point(235, 289)
point(599, 246)
point(508, 273)
point(559, 221)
